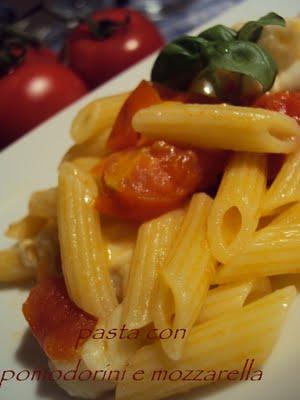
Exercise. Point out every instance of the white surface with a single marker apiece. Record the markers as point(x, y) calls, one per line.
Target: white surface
point(30, 164)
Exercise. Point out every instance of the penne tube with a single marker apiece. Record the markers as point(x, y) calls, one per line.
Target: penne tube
point(221, 344)
point(86, 164)
point(94, 147)
point(235, 212)
point(12, 270)
point(231, 297)
point(26, 227)
point(285, 189)
point(83, 253)
point(185, 278)
point(289, 216)
point(97, 116)
point(114, 352)
point(43, 203)
point(219, 126)
point(154, 241)
point(274, 250)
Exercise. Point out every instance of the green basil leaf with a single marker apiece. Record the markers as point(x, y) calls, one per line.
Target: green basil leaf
point(252, 30)
point(245, 58)
point(179, 61)
point(219, 33)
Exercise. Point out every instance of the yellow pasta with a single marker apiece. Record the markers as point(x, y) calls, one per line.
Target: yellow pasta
point(231, 297)
point(219, 126)
point(185, 278)
point(12, 270)
point(96, 117)
point(286, 187)
point(153, 244)
point(43, 203)
point(86, 164)
point(26, 227)
point(274, 250)
point(235, 211)
point(222, 344)
point(84, 258)
point(289, 216)
point(94, 147)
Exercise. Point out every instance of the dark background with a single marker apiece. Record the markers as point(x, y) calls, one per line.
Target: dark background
point(173, 17)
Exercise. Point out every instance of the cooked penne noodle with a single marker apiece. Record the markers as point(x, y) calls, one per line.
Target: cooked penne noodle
point(235, 211)
point(96, 117)
point(86, 164)
point(94, 147)
point(219, 126)
point(26, 227)
point(84, 257)
point(43, 203)
point(113, 352)
point(224, 343)
point(286, 187)
point(12, 270)
point(154, 241)
point(274, 250)
point(289, 216)
point(184, 279)
point(231, 297)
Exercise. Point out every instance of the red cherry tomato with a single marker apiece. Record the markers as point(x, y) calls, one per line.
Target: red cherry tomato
point(32, 93)
point(40, 55)
point(145, 182)
point(55, 320)
point(123, 37)
point(284, 102)
point(123, 135)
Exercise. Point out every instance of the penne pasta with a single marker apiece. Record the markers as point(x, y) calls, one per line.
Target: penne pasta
point(185, 277)
point(224, 343)
point(285, 189)
point(232, 297)
point(12, 270)
point(94, 147)
point(84, 256)
point(274, 250)
point(86, 164)
point(235, 211)
point(154, 241)
point(219, 126)
point(289, 216)
point(97, 116)
point(43, 203)
point(25, 228)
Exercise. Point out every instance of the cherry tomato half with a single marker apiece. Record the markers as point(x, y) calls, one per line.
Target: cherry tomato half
point(145, 182)
point(284, 102)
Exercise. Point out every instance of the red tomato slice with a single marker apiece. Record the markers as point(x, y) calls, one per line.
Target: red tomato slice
point(123, 135)
point(143, 183)
point(284, 102)
point(55, 320)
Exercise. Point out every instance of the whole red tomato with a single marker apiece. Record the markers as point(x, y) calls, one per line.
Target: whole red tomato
point(110, 42)
point(33, 92)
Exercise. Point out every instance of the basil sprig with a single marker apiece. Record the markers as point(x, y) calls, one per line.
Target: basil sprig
point(189, 59)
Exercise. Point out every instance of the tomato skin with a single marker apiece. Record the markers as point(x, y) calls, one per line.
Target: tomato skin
point(144, 183)
point(55, 320)
point(285, 102)
point(97, 60)
point(40, 55)
point(123, 135)
point(32, 93)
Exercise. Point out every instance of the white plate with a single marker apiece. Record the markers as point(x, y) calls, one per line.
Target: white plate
point(30, 164)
